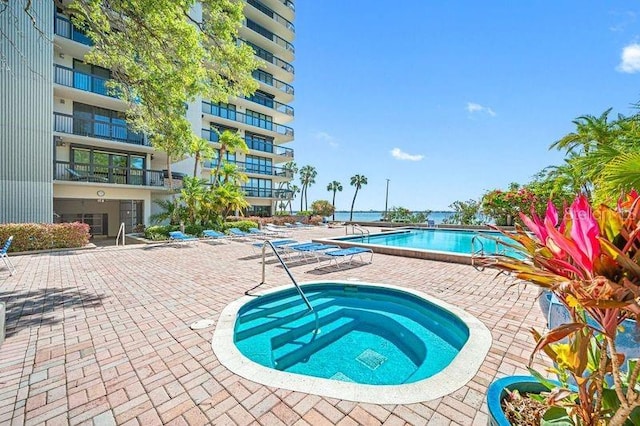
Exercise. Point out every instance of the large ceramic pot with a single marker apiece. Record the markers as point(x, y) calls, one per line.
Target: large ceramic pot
point(498, 391)
point(627, 340)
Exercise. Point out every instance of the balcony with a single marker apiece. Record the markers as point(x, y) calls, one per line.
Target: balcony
point(240, 117)
point(289, 4)
point(63, 27)
point(100, 173)
point(256, 145)
point(268, 79)
point(283, 194)
point(273, 15)
point(254, 168)
point(79, 80)
point(271, 103)
point(65, 123)
point(269, 35)
point(270, 57)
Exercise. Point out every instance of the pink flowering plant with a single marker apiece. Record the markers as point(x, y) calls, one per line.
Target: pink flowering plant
point(590, 259)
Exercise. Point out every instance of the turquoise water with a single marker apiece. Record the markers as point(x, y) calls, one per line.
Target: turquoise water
point(361, 334)
point(446, 240)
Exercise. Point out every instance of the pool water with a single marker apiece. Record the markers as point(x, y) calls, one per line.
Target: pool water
point(362, 334)
point(444, 240)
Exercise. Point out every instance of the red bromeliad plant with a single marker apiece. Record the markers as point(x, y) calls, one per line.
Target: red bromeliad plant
point(590, 259)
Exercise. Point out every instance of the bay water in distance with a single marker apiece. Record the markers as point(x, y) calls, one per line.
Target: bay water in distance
point(375, 216)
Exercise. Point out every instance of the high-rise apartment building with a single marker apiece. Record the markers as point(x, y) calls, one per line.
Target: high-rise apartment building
point(67, 154)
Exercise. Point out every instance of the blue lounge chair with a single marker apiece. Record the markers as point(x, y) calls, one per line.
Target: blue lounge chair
point(347, 255)
point(5, 256)
point(259, 233)
point(179, 237)
point(210, 234)
point(235, 233)
point(279, 245)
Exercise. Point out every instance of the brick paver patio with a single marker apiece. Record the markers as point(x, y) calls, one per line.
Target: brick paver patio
point(102, 337)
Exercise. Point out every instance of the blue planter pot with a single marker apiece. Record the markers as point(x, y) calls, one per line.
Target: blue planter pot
point(627, 341)
point(498, 391)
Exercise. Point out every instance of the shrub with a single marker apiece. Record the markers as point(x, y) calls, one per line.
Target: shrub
point(44, 236)
point(243, 225)
point(159, 232)
point(322, 208)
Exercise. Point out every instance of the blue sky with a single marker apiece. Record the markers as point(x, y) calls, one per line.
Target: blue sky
point(467, 95)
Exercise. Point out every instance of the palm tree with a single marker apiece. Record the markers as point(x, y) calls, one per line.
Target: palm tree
point(590, 133)
point(358, 181)
point(192, 193)
point(334, 186)
point(307, 178)
point(229, 142)
point(295, 189)
point(200, 149)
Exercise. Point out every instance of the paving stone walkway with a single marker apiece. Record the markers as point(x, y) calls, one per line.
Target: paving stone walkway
point(102, 337)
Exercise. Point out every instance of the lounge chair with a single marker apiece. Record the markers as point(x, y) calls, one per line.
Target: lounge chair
point(258, 233)
point(179, 237)
point(279, 245)
point(347, 255)
point(279, 230)
point(315, 250)
point(5, 256)
point(236, 233)
point(210, 234)
point(302, 225)
point(431, 223)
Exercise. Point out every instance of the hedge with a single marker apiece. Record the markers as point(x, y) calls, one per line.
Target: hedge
point(44, 236)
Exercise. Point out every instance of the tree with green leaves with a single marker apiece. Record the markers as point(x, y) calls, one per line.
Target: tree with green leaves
point(465, 213)
point(307, 178)
point(229, 142)
point(322, 208)
point(201, 150)
point(165, 54)
point(334, 187)
point(358, 181)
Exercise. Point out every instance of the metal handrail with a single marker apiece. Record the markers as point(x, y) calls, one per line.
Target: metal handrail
point(264, 265)
point(476, 253)
point(120, 231)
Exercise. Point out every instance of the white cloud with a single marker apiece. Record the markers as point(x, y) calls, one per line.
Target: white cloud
point(398, 154)
point(473, 107)
point(630, 59)
point(326, 137)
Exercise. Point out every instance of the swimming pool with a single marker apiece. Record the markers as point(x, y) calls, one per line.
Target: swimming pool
point(358, 339)
point(453, 245)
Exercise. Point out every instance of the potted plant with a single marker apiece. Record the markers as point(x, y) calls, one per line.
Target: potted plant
point(590, 260)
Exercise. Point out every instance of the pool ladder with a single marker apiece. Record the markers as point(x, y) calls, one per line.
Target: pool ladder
point(501, 249)
point(355, 227)
point(293, 280)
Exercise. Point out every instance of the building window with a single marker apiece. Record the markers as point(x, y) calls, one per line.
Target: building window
point(258, 188)
point(258, 165)
point(259, 120)
point(260, 211)
point(258, 142)
point(263, 76)
point(91, 78)
point(262, 98)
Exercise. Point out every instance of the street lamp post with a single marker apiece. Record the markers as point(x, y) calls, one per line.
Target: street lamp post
point(386, 201)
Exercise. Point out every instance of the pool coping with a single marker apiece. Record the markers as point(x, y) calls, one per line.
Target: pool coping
point(442, 256)
point(459, 372)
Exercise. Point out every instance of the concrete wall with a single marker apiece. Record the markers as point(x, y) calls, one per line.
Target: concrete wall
point(26, 113)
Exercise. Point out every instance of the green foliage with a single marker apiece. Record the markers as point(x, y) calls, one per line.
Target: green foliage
point(159, 232)
point(358, 181)
point(307, 178)
point(162, 57)
point(243, 225)
point(322, 208)
point(44, 236)
point(465, 213)
point(505, 206)
point(401, 214)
